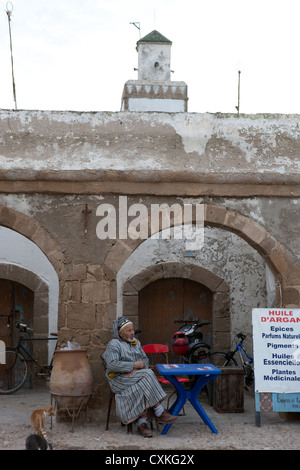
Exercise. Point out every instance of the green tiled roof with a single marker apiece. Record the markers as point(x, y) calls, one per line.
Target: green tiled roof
point(155, 36)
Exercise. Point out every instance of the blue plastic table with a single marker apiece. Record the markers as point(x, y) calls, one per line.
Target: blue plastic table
point(205, 373)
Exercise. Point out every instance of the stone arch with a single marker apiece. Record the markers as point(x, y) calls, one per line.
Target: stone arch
point(45, 301)
point(219, 288)
point(273, 252)
point(40, 289)
point(34, 231)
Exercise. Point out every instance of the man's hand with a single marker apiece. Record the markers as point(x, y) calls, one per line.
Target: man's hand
point(139, 365)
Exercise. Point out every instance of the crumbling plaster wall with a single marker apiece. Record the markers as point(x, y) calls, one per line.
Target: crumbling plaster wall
point(156, 146)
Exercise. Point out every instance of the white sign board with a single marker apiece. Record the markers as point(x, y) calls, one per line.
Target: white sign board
point(276, 347)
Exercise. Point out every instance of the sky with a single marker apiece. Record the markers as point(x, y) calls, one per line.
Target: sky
point(78, 54)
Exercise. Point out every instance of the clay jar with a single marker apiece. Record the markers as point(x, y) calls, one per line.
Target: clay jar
point(71, 374)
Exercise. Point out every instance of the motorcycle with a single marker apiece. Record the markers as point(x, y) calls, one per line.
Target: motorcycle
point(188, 343)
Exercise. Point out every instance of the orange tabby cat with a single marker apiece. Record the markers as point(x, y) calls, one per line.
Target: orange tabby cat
point(38, 420)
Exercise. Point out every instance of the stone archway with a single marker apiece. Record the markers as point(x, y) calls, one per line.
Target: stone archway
point(34, 231)
point(219, 288)
point(40, 314)
point(273, 252)
point(46, 299)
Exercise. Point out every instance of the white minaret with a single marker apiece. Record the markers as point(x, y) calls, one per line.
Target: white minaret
point(154, 57)
point(154, 90)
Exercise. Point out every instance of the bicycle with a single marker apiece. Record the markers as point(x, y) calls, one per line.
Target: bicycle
point(225, 359)
point(14, 372)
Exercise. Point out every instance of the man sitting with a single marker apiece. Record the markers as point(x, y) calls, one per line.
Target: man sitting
point(135, 385)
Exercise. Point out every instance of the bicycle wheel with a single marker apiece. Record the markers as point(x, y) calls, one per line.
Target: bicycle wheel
point(13, 373)
point(222, 359)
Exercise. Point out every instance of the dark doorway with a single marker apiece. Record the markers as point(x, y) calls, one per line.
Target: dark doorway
point(16, 305)
point(166, 304)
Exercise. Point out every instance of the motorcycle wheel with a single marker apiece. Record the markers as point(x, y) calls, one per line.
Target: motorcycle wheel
point(199, 356)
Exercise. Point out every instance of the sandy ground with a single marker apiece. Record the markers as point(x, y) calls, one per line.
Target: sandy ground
point(236, 431)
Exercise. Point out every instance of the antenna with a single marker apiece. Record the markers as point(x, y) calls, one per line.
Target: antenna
point(239, 81)
point(9, 10)
point(137, 25)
